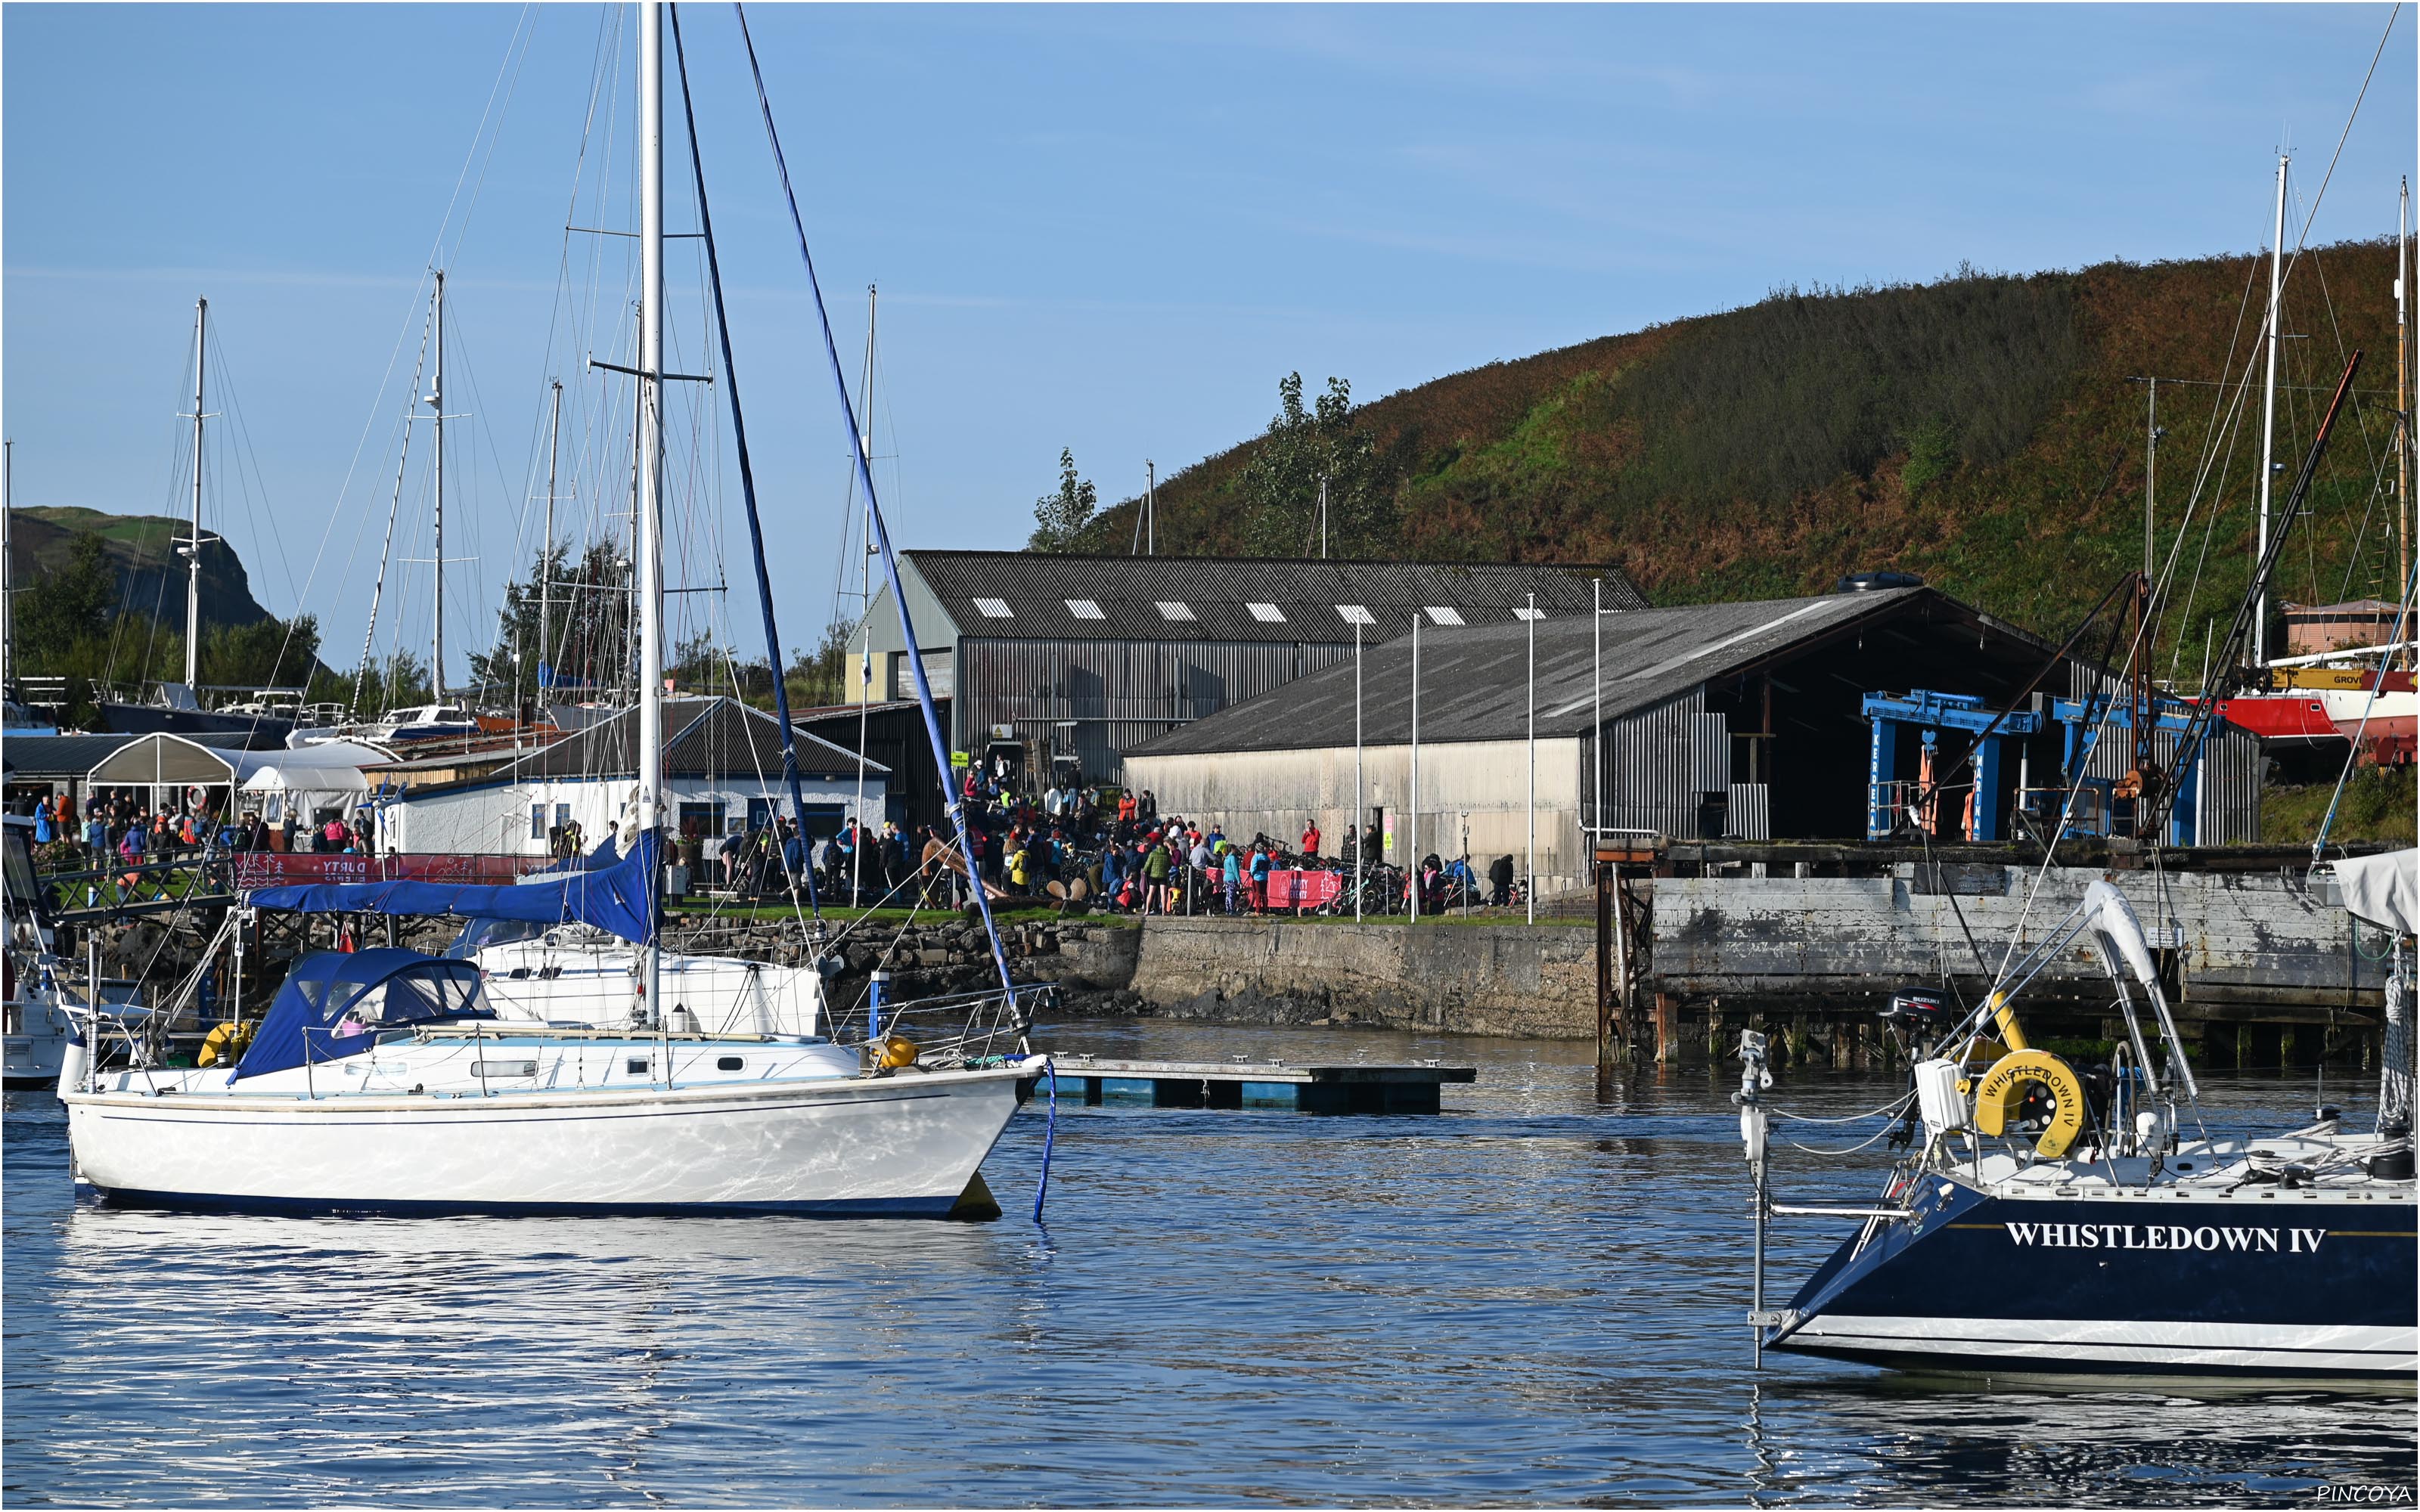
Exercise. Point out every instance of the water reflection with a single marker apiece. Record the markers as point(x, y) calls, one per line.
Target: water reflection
point(1533, 1298)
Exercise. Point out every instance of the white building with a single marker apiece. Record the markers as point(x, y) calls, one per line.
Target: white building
point(722, 777)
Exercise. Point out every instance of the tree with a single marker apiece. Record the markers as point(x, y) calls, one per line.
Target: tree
point(1060, 519)
point(823, 676)
point(59, 609)
point(265, 653)
point(1303, 449)
point(588, 607)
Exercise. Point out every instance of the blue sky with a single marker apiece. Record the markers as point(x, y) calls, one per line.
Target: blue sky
point(1107, 227)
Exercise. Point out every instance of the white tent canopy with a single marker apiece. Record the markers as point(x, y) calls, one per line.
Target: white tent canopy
point(296, 781)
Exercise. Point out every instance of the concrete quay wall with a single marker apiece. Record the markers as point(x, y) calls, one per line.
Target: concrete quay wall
point(1533, 981)
point(2242, 940)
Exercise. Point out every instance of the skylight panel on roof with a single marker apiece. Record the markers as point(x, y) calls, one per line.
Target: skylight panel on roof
point(993, 609)
point(1356, 614)
point(1267, 614)
point(1084, 608)
point(1444, 614)
point(1525, 612)
point(1175, 609)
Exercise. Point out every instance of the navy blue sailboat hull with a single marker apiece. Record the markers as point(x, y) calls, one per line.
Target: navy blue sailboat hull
point(2260, 1283)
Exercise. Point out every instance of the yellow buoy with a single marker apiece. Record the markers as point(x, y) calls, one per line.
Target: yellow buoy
point(895, 1052)
point(2002, 1092)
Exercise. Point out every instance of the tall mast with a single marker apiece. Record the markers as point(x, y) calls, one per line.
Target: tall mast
point(546, 551)
point(2403, 397)
point(2269, 423)
point(193, 541)
point(437, 405)
point(8, 565)
point(649, 530)
point(864, 616)
point(1150, 508)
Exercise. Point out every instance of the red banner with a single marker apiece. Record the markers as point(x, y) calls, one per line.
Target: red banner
point(268, 868)
point(1290, 890)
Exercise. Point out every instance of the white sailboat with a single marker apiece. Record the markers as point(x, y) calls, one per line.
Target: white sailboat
point(386, 1080)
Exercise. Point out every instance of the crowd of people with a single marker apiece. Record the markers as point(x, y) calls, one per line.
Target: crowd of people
point(117, 829)
point(1109, 849)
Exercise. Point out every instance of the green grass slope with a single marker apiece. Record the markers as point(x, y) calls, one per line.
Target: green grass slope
point(150, 574)
point(1981, 430)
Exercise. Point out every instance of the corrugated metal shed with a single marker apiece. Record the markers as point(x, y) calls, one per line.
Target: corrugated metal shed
point(1032, 596)
point(46, 758)
point(1649, 656)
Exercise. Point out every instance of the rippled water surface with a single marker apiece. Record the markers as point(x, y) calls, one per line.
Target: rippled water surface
point(1536, 1297)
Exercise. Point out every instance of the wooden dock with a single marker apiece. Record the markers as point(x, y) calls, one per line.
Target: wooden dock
point(1241, 1083)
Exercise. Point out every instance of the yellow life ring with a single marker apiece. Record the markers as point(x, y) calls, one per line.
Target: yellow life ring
point(2002, 1092)
point(226, 1042)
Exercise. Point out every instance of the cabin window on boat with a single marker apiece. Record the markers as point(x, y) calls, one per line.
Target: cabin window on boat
point(422, 995)
point(729, 1063)
point(636, 1066)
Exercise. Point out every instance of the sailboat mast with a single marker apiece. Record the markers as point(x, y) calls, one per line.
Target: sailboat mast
point(2403, 395)
point(437, 567)
point(2269, 423)
point(864, 615)
point(546, 551)
point(193, 540)
point(649, 526)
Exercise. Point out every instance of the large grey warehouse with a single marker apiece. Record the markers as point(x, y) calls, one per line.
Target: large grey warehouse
point(1080, 659)
point(1747, 720)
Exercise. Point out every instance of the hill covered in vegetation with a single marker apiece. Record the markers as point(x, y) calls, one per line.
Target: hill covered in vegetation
point(1987, 431)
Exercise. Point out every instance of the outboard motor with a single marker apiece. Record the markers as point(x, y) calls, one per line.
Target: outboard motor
point(1921, 1018)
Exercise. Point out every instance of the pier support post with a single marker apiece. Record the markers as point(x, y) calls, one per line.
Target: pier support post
point(1667, 1028)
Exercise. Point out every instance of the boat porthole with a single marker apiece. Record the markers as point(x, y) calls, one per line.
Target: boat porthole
point(729, 1063)
point(637, 1065)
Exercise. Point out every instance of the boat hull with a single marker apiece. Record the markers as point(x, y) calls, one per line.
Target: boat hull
point(261, 733)
point(906, 1145)
point(2264, 1282)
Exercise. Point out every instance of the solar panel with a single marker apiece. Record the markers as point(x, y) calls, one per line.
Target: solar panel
point(1444, 614)
point(1172, 609)
point(1084, 608)
point(993, 609)
point(1356, 614)
point(1267, 614)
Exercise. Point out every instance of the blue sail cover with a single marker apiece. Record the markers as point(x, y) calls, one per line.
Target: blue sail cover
point(333, 1004)
point(619, 897)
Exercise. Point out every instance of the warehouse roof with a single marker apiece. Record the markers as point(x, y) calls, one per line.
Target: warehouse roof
point(1029, 595)
point(708, 737)
point(30, 757)
point(1475, 681)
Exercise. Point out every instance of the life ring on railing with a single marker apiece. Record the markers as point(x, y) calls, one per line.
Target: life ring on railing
point(2003, 1092)
point(226, 1042)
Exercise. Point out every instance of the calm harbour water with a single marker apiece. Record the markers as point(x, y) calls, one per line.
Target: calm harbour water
point(1536, 1297)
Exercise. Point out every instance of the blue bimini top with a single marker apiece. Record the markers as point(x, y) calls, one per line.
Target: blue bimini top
point(335, 1003)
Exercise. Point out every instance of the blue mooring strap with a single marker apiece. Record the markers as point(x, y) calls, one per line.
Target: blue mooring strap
point(1049, 1136)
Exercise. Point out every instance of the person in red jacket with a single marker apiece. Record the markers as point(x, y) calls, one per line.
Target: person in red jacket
point(1311, 841)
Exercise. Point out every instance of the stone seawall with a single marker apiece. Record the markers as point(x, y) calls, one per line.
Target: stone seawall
point(1533, 981)
point(2240, 940)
